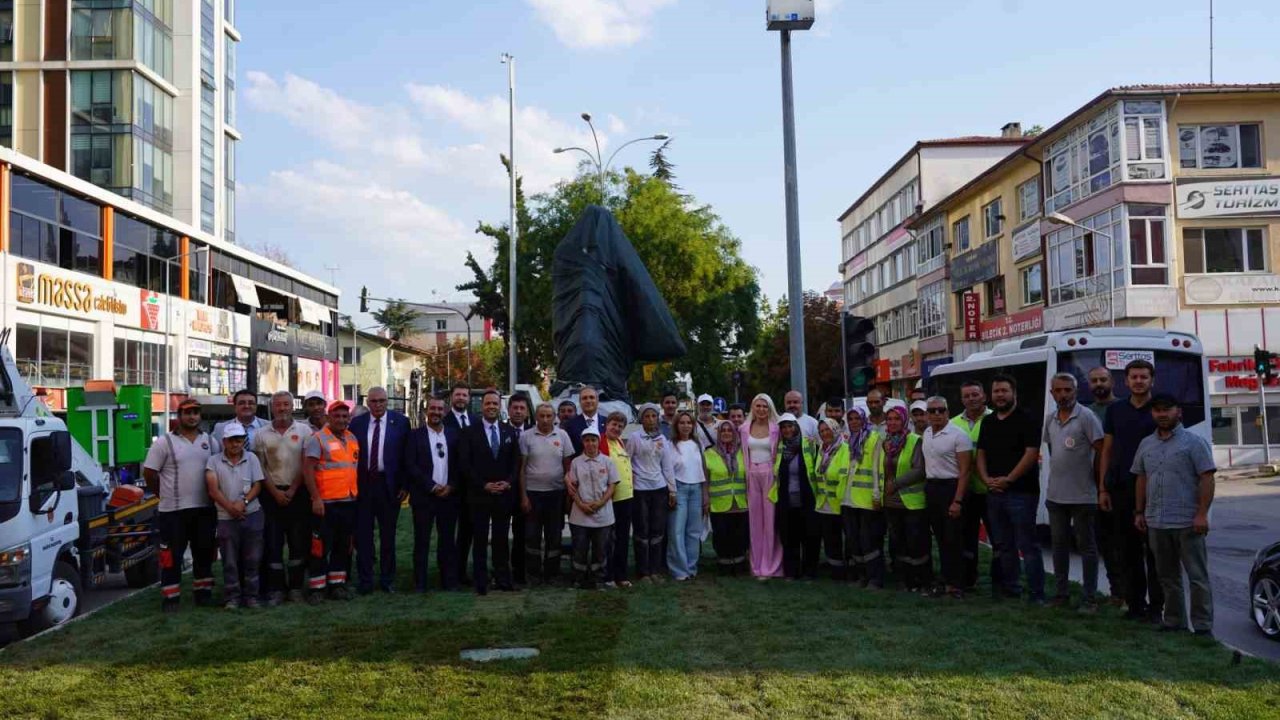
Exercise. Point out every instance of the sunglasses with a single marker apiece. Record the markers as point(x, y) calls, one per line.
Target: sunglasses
point(440, 449)
point(937, 411)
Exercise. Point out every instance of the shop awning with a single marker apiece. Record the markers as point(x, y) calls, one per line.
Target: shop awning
point(246, 291)
point(313, 312)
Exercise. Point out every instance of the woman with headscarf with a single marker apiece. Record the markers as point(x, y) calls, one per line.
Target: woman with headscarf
point(858, 513)
point(795, 495)
point(727, 479)
point(832, 469)
point(653, 474)
point(760, 440)
point(900, 475)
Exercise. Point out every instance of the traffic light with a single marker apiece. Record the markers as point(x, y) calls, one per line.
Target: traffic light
point(364, 299)
point(1262, 364)
point(738, 378)
point(859, 353)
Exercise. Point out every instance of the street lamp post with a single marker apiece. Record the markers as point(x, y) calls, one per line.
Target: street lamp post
point(510, 61)
point(1056, 218)
point(597, 159)
point(168, 324)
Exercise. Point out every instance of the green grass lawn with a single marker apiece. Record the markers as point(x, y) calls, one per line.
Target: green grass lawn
point(714, 648)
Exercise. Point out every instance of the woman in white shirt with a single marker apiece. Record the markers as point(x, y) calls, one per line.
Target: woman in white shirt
point(684, 526)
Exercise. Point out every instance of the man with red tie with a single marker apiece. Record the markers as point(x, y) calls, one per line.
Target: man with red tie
point(382, 435)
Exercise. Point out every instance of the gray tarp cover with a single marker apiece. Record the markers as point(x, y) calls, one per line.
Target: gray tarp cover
point(608, 312)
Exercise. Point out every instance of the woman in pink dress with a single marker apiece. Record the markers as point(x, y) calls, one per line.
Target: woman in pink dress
point(760, 440)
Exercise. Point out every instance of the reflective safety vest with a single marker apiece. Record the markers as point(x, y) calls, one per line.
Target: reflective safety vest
point(859, 486)
point(975, 478)
point(336, 472)
point(808, 451)
point(727, 493)
point(912, 497)
point(833, 480)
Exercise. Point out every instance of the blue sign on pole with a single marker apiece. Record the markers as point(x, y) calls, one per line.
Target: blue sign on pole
point(719, 405)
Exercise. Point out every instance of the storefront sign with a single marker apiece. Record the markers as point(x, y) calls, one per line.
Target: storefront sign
point(1003, 328)
point(1119, 359)
point(975, 266)
point(911, 364)
point(149, 302)
point(72, 293)
point(1228, 198)
point(287, 340)
point(1026, 242)
point(1232, 289)
point(1235, 376)
point(927, 367)
point(884, 371)
point(972, 314)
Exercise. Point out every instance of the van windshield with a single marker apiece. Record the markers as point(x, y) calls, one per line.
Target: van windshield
point(10, 465)
point(1178, 374)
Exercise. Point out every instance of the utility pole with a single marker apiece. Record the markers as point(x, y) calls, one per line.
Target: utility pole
point(795, 287)
point(514, 232)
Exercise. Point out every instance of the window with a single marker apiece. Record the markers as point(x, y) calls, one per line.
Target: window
point(1220, 146)
point(993, 218)
point(933, 310)
point(1029, 199)
point(960, 234)
point(1080, 258)
point(229, 88)
point(229, 193)
point(55, 227)
point(1032, 285)
point(1223, 421)
point(959, 306)
point(1225, 250)
point(206, 159)
point(122, 135)
point(995, 296)
point(51, 357)
point(6, 31)
point(140, 363)
point(1144, 139)
point(347, 355)
point(1146, 244)
point(1087, 160)
point(146, 256)
point(442, 324)
point(1251, 431)
point(929, 247)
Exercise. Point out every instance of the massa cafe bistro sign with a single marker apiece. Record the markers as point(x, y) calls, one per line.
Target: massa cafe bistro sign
point(67, 293)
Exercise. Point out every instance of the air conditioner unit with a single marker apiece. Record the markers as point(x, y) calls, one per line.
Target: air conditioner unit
point(790, 14)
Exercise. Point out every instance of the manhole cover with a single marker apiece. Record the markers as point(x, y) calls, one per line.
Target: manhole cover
point(491, 654)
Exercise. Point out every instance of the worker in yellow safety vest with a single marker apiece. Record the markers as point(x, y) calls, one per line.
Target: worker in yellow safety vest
point(329, 465)
point(832, 467)
point(860, 504)
point(900, 474)
point(727, 481)
point(795, 493)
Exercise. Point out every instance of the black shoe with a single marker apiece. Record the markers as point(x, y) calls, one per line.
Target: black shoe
point(340, 592)
point(169, 607)
point(314, 597)
point(204, 600)
point(482, 591)
point(362, 590)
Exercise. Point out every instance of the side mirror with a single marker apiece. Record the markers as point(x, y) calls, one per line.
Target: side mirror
point(67, 481)
point(50, 467)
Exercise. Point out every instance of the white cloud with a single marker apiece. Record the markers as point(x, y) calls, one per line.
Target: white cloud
point(616, 125)
point(598, 23)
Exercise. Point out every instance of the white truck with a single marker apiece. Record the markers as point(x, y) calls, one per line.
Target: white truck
point(59, 535)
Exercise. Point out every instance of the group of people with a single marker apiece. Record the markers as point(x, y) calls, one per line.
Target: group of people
point(782, 493)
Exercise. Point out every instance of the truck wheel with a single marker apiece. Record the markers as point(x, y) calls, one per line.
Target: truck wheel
point(143, 574)
point(64, 600)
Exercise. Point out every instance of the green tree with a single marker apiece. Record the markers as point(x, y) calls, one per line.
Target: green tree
point(397, 318)
point(694, 260)
point(769, 364)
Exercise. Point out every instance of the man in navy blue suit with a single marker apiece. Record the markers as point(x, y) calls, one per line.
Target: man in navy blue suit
point(589, 400)
point(490, 455)
point(382, 435)
point(433, 481)
point(460, 418)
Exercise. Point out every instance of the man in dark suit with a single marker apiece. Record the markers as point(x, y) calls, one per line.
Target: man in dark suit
point(490, 455)
point(382, 435)
point(519, 412)
point(589, 400)
point(433, 481)
point(460, 418)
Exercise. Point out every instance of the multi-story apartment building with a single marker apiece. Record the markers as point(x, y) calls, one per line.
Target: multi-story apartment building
point(879, 253)
point(443, 323)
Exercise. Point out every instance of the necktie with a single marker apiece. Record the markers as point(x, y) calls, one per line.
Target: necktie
point(375, 445)
point(462, 420)
point(493, 440)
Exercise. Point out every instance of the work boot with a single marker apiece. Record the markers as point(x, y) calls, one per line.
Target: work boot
point(252, 603)
point(170, 606)
point(297, 596)
point(275, 598)
point(339, 592)
point(315, 597)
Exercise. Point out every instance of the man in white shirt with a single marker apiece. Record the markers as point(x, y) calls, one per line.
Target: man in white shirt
point(545, 451)
point(433, 482)
point(705, 431)
point(793, 401)
point(948, 455)
point(286, 504)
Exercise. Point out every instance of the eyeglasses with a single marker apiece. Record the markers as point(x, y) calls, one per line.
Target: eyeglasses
point(937, 411)
point(440, 449)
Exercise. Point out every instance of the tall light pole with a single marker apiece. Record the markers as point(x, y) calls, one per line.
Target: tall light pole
point(1056, 218)
point(597, 159)
point(795, 16)
point(168, 322)
point(510, 61)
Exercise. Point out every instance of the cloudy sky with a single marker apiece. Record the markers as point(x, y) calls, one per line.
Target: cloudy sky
point(372, 130)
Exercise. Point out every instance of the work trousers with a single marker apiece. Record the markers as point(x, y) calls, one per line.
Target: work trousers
point(1180, 550)
point(619, 545)
point(831, 528)
point(1104, 532)
point(192, 528)
point(684, 531)
point(240, 545)
point(909, 538)
point(864, 533)
point(287, 526)
point(1013, 536)
point(947, 532)
point(730, 538)
point(649, 520)
point(801, 542)
point(974, 515)
point(1136, 564)
point(543, 529)
point(589, 545)
point(1066, 521)
point(332, 537)
point(376, 503)
point(491, 522)
point(440, 514)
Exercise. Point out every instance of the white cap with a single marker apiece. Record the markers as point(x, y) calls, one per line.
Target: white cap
point(313, 395)
point(705, 398)
point(919, 405)
point(591, 431)
point(648, 406)
point(787, 417)
point(233, 430)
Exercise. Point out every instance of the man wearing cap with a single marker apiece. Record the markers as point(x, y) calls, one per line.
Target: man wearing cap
point(234, 479)
point(919, 416)
point(381, 434)
point(285, 503)
point(329, 467)
point(313, 406)
point(1175, 472)
point(174, 470)
point(245, 403)
point(705, 431)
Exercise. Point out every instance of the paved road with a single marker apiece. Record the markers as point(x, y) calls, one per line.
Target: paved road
point(1246, 516)
point(112, 589)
